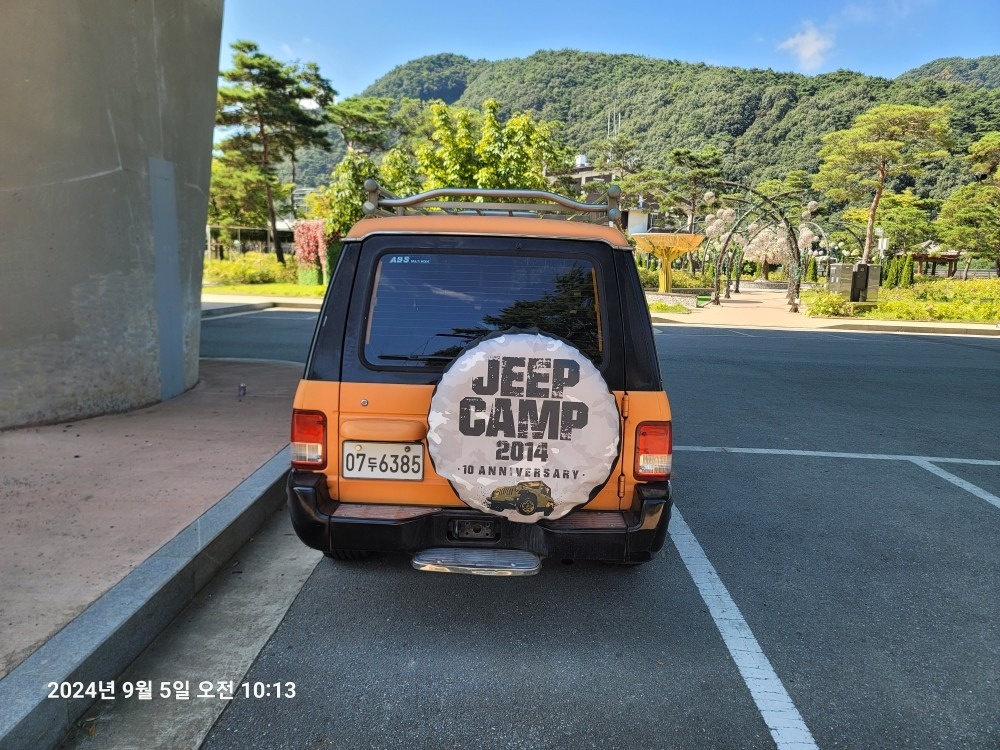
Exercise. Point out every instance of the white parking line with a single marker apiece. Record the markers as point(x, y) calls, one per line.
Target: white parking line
point(924, 462)
point(845, 338)
point(959, 482)
point(783, 720)
point(836, 454)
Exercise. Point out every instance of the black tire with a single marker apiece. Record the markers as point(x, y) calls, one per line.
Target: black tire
point(526, 504)
point(348, 555)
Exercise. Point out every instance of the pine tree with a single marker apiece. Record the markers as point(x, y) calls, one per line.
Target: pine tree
point(906, 277)
point(895, 274)
point(264, 107)
point(812, 270)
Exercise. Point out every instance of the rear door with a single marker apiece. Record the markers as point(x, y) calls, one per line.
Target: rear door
point(417, 303)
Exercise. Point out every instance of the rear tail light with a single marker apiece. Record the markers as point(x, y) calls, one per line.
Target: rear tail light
point(653, 450)
point(308, 439)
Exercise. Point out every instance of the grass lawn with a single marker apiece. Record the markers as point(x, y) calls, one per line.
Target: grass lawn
point(269, 290)
point(663, 307)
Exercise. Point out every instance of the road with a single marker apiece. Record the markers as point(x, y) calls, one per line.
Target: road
point(831, 579)
point(282, 335)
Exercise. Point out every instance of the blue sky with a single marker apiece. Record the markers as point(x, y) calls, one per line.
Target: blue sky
point(356, 42)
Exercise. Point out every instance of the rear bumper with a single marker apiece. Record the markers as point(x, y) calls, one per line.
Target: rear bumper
point(634, 535)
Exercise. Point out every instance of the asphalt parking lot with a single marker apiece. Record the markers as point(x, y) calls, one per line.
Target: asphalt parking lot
point(830, 580)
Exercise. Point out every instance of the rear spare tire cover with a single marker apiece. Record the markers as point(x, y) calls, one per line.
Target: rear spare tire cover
point(519, 417)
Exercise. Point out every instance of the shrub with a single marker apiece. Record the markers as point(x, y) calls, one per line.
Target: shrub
point(250, 268)
point(684, 280)
point(812, 270)
point(650, 279)
point(827, 305)
point(976, 300)
point(310, 244)
point(779, 274)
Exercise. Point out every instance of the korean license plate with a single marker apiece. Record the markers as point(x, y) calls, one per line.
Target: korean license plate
point(383, 461)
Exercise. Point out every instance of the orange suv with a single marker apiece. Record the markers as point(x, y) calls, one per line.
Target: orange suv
point(475, 345)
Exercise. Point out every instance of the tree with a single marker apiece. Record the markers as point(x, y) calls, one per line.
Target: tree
point(364, 122)
point(237, 197)
point(768, 247)
point(891, 272)
point(970, 221)
point(904, 217)
point(884, 143)
point(772, 208)
point(690, 175)
point(339, 204)
point(449, 158)
point(680, 189)
point(812, 270)
point(398, 172)
point(618, 155)
point(906, 272)
point(467, 150)
point(984, 156)
point(272, 108)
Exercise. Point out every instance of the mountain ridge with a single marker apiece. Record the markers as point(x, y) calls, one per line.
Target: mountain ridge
point(766, 122)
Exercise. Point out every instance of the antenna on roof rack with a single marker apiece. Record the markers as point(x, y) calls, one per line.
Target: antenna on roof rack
point(543, 203)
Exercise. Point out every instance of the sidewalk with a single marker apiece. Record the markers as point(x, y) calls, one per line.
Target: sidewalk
point(755, 308)
point(91, 501)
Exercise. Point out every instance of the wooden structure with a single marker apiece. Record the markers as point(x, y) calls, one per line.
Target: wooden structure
point(667, 247)
point(933, 260)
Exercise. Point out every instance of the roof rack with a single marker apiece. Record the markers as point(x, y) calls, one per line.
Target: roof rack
point(544, 204)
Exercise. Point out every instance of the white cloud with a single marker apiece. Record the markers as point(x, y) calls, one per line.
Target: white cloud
point(809, 47)
point(287, 51)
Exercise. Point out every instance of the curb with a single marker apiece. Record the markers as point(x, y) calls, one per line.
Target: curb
point(954, 330)
point(215, 312)
point(957, 329)
point(100, 642)
point(299, 305)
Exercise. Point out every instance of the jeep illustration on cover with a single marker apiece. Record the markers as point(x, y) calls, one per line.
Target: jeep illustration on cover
point(524, 497)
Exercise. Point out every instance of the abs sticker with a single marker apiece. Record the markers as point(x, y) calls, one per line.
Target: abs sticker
point(523, 426)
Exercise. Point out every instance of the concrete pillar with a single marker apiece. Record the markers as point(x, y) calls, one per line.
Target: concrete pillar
point(106, 119)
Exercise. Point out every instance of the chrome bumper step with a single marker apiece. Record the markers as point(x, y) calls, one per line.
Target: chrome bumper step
point(480, 562)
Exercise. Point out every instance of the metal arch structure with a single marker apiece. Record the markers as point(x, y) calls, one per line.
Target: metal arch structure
point(108, 116)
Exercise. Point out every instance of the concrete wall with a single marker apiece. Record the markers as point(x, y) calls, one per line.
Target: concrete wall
point(106, 118)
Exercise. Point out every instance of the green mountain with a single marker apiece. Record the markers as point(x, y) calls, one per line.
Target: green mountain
point(767, 123)
point(443, 77)
point(976, 71)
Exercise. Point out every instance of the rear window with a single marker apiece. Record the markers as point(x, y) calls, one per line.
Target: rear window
point(425, 308)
